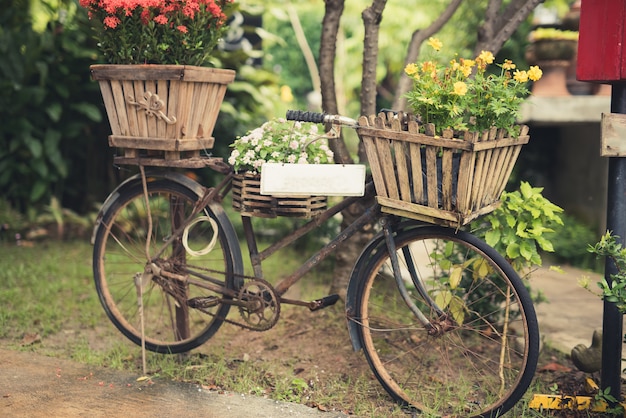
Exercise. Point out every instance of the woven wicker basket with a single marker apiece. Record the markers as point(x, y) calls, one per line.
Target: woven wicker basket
point(248, 200)
point(443, 180)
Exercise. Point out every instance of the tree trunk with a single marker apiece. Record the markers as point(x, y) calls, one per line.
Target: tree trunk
point(328, 52)
point(499, 24)
point(349, 252)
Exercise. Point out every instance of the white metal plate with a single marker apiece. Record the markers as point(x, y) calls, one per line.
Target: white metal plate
point(312, 179)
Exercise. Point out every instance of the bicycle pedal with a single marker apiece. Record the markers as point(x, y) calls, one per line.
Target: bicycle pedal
point(324, 302)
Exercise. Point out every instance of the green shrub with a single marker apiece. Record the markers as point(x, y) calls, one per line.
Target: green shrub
point(571, 244)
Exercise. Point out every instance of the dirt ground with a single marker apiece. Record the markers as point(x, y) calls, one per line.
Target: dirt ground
point(312, 346)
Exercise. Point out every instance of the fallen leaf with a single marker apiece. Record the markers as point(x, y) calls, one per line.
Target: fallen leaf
point(30, 339)
point(554, 367)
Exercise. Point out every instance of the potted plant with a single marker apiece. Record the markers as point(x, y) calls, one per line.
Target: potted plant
point(548, 44)
point(156, 90)
point(554, 50)
point(451, 163)
point(464, 95)
point(276, 141)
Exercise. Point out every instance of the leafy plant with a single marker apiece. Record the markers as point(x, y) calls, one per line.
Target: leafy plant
point(571, 244)
point(519, 228)
point(610, 247)
point(158, 32)
point(541, 34)
point(464, 96)
point(48, 107)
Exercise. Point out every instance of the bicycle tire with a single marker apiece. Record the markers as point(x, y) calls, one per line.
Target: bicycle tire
point(481, 360)
point(170, 324)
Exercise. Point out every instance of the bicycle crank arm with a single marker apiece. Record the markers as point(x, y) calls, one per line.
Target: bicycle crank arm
point(313, 305)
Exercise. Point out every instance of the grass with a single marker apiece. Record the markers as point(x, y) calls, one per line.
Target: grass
point(48, 297)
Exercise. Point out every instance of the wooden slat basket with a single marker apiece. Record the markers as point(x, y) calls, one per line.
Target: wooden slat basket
point(161, 114)
point(444, 180)
point(248, 200)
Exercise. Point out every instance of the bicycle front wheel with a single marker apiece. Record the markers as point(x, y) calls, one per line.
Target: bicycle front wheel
point(180, 310)
point(478, 352)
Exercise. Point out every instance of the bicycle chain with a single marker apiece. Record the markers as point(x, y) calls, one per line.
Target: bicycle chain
point(274, 300)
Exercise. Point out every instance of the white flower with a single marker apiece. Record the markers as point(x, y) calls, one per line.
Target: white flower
point(258, 163)
point(275, 154)
point(294, 145)
point(268, 143)
point(248, 157)
point(291, 159)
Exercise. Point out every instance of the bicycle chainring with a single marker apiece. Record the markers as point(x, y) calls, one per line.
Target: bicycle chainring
point(262, 305)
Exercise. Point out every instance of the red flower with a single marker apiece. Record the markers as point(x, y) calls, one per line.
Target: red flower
point(161, 19)
point(111, 22)
point(182, 28)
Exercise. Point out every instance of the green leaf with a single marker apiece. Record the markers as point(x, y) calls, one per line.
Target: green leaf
point(492, 237)
point(34, 146)
point(457, 309)
point(443, 298)
point(90, 110)
point(38, 190)
point(54, 111)
point(526, 190)
point(513, 251)
point(455, 277)
point(527, 250)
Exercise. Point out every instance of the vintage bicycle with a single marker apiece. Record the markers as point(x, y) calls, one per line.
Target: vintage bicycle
point(445, 323)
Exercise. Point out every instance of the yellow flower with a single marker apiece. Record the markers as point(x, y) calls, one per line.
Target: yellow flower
point(520, 76)
point(508, 65)
point(454, 65)
point(486, 57)
point(285, 94)
point(534, 73)
point(411, 69)
point(429, 67)
point(460, 88)
point(466, 66)
point(435, 43)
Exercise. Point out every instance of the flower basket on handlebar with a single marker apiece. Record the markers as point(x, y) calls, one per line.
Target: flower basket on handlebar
point(162, 115)
point(446, 180)
point(248, 200)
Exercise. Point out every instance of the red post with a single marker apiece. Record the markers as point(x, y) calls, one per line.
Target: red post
point(602, 41)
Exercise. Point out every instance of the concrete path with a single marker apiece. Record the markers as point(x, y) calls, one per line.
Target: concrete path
point(571, 313)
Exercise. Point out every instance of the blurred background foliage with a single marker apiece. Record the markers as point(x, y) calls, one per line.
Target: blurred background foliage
point(55, 163)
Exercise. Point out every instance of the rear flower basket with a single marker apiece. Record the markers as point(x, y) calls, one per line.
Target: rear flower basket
point(248, 200)
point(445, 180)
point(162, 114)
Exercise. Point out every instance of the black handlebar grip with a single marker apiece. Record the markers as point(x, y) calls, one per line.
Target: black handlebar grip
point(304, 116)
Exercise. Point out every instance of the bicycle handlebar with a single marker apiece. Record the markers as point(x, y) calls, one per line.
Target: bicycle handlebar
point(315, 117)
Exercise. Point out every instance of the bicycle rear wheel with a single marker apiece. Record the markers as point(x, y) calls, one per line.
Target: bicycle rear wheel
point(480, 356)
point(180, 311)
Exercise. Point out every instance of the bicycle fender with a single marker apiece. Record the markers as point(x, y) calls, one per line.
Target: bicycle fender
point(131, 181)
point(353, 288)
point(377, 243)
